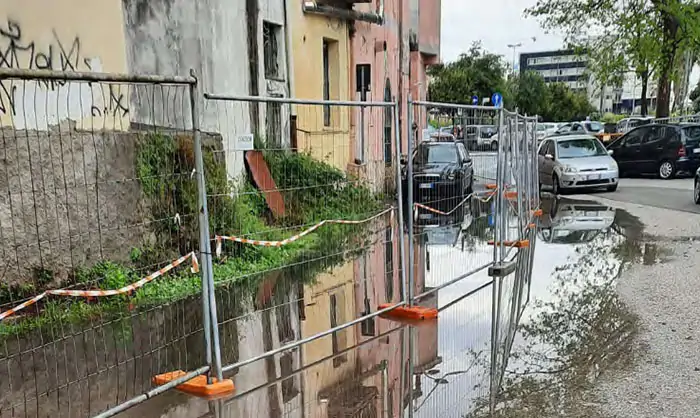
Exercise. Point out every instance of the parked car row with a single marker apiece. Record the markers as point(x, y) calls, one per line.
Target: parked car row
point(573, 160)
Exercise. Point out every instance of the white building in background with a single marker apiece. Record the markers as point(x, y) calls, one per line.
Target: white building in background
point(565, 66)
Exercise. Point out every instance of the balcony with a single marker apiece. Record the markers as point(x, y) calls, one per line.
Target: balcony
point(341, 9)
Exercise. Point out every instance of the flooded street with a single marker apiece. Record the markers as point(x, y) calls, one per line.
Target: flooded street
point(573, 330)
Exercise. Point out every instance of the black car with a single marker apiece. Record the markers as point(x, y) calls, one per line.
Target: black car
point(664, 150)
point(442, 172)
point(696, 189)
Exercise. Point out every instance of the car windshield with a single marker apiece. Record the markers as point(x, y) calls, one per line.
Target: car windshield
point(577, 148)
point(594, 126)
point(541, 128)
point(443, 153)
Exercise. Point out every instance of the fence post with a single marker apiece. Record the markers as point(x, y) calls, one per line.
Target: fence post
point(496, 286)
point(399, 203)
point(410, 204)
point(210, 318)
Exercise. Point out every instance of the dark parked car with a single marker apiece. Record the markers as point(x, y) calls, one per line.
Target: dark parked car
point(664, 150)
point(442, 172)
point(696, 189)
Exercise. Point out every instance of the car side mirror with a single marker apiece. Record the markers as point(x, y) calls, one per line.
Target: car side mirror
point(549, 157)
point(610, 152)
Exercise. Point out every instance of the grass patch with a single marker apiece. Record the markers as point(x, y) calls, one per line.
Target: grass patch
point(313, 191)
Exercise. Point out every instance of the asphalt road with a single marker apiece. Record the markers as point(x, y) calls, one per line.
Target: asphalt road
point(676, 194)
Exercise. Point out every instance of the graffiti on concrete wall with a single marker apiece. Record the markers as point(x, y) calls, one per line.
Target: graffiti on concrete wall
point(42, 103)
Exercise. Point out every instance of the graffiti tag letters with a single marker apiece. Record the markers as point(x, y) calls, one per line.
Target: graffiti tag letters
point(18, 52)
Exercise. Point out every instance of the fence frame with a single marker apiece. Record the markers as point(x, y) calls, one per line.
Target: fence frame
point(405, 279)
point(499, 267)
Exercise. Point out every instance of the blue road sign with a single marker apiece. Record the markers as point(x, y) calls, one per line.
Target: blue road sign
point(475, 100)
point(497, 99)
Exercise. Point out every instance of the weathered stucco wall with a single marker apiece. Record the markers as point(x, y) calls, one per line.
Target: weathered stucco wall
point(172, 37)
point(56, 35)
point(329, 143)
point(67, 199)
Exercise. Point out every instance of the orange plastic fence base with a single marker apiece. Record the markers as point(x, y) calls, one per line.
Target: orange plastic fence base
point(537, 212)
point(492, 186)
point(409, 312)
point(517, 244)
point(198, 385)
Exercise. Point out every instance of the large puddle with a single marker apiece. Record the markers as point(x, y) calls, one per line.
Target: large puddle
point(573, 329)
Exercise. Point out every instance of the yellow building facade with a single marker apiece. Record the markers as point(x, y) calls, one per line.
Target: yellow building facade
point(321, 52)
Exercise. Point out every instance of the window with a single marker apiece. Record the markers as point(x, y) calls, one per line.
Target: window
point(543, 148)
point(443, 153)
point(326, 84)
point(289, 388)
point(550, 148)
point(388, 122)
point(578, 148)
point(389, 264)
point(635, 137)
point(337, 304)
point(654, 133)
point(331, 77)
point(273, 125)
point(271, 45)
point(463, 154)
point(285, 330)
point(594, 126)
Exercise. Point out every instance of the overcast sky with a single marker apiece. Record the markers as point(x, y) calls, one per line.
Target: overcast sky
point(496, 23)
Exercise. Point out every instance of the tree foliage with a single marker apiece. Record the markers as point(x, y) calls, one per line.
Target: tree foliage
point(481, 73)
point(475, 73)
point(552, 102)
point(645, 37)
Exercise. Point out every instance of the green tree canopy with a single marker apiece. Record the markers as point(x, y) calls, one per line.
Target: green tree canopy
point(553, 102)
point(618, 37)
point(477, 73)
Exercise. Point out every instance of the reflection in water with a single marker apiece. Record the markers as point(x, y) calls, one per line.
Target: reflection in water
point(574, 329)
point(577, 328)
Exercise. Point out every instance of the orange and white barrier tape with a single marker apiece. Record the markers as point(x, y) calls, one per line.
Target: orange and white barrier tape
point(101, 293)
point(439, 212)
point(261, 243)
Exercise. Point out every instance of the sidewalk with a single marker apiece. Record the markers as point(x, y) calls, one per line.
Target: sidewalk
point(664, 378)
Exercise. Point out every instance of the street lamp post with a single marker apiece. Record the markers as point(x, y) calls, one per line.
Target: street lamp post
point(514, 47)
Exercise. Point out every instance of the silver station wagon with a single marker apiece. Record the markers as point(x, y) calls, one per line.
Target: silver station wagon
point(568, 162)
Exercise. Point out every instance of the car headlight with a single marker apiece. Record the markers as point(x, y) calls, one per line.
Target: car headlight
point(612, 167)
point(569, 169)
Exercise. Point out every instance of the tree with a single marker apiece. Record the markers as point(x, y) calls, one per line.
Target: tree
point(532, 95)
point(475, 73)
point(566, 104)
point(553, 102)
point(640, 36)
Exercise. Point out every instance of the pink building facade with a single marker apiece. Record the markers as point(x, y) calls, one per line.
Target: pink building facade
point(392, 59)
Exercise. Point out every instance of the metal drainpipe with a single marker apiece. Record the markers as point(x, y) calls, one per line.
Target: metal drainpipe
point(288, 54)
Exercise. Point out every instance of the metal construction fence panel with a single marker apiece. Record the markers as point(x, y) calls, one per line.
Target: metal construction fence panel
point(150, 228)
point(312, 204)
point(98, 201)
point(472, 180)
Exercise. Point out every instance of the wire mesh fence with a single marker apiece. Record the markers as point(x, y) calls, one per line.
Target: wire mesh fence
point(311, 197)
point(97, 194)
point(148, 228)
